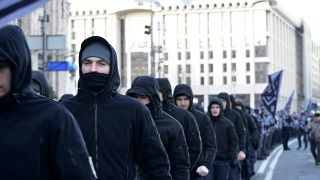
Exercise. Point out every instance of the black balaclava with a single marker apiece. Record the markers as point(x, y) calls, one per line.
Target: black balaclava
point(94, 81)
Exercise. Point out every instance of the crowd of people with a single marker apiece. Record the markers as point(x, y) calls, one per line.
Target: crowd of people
point(151, 132)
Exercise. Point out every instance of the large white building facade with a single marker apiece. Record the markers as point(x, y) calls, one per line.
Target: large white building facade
point(214, 46)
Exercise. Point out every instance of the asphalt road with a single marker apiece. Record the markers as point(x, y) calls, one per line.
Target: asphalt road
point(287, 165)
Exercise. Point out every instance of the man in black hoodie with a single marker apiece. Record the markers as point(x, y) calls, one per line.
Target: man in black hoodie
point(238, 123)
point(39, 138)
point(183, 97)
point(39, 83)
point(227, 142)
point(146, 90)
point(185, 118)
point(118, 130)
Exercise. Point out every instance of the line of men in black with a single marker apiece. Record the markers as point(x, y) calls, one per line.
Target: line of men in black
point(213, 145)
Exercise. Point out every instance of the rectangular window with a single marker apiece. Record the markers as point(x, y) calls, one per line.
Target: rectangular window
point(260, 51)
point(72, 24)
point(179, 69)
point(188, 81)
point(179, 80)
point(210, 80)
point(202, 68)
point(188, 68)
point(224, 67)
point(234, 79)
point(261, 74)
point(247, 67)
point(202, 81)
point(188, 55)
point(165, 56)
point(73, 47)
point(73, 35)
point(248, 79)
point(179, 55)
point(233, 67)
point(201, 55)
point(210, 68)
point(225, 80)
point(233, 54)
point(210, 54)
point(165, 69)
point(224, 54)
point(247, 53)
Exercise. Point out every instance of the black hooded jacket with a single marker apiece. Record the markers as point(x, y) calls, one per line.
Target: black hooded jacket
point(39, 138)
point(252, 130)
point(237, 121)
point(38, 77)
point(118, 130)
point(209, 146)
point(227, 140)
point(185, 118)
point(171, 131)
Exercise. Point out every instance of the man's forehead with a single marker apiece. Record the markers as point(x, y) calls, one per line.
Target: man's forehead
point(182, 97)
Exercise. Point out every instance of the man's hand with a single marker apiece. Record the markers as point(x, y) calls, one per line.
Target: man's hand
point(241, 156)
point(202, 171)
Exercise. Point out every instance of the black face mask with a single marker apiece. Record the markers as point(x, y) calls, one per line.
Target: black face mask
point(95, 82)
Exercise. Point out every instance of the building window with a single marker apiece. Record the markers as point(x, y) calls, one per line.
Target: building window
point(210, 80)
point(233, 54)
point(188, 81)
point(188, 55)
point(179, 69)
point(224, 67)
point(179, 80)
point(201, 68)
point(73, 35)
point(248, 79)
point(211, 68)
point(261, 72)
point(179, 55)
point(233, 67)
point(72, 24)
point(201, 55)
point(210, 54)
point(247, 53)
point(92, 23)
point(247, 67)
point(73, 47)
point(202, 81)
point(260, 51)
point(165, 56)
point(225, 80)
point(234, 79)
point(165, 69)
point(224, 54)
point(188, 68)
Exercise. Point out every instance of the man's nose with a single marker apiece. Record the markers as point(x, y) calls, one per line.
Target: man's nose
point(93, 67)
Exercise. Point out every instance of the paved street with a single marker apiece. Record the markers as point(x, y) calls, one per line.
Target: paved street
point(288, 165)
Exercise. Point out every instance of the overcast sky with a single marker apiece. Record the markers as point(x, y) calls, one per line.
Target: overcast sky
point(309, 10)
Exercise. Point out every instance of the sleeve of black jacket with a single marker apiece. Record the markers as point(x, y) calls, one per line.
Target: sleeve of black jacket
point(209, 145)
point(149, 151)
point(68, 151)
point(253, 131)
point(233, 142)
point(241, 132)
point(180, 162)
point(193, 140)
